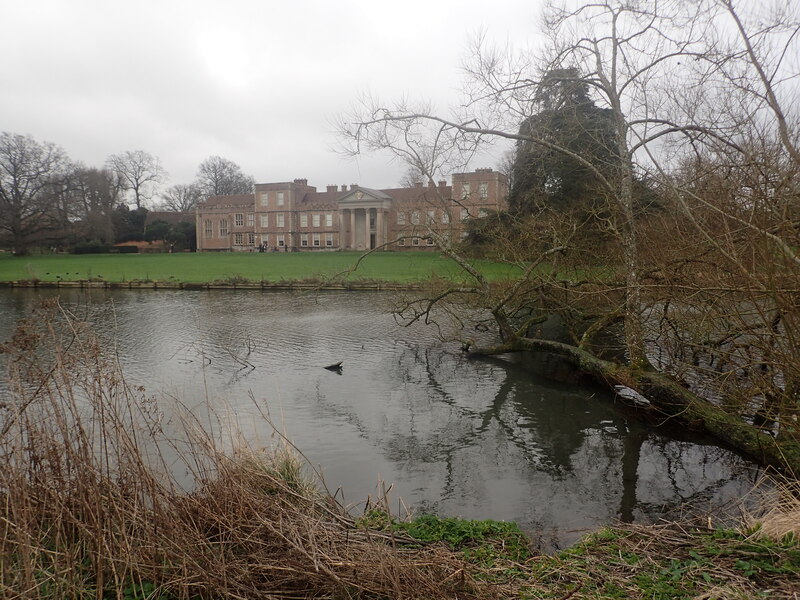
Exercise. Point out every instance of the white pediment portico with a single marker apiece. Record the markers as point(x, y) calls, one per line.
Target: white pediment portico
point(362, 217)
point(365, 198)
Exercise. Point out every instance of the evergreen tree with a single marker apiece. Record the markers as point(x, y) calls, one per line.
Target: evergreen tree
point(568, 118)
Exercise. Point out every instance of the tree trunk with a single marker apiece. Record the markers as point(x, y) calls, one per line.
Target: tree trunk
point(668, 398)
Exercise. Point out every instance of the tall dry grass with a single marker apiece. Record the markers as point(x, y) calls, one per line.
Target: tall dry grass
point(777, 513)
point(94, 500)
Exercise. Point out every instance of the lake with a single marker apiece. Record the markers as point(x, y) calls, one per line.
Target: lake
point(451, 435)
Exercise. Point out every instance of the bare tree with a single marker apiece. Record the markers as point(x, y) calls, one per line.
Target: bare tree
point(94, 195)
point(140, 171)
point(219, 176)
point(674, 86)
point(618, 50)
point(181, 197)
point(27, 170)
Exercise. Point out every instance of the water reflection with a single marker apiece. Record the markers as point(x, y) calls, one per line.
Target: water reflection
point(455, 436)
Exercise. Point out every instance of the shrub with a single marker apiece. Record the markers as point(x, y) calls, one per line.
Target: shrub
point(93, 247)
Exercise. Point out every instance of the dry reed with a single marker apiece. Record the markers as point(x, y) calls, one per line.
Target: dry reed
point(777, 514)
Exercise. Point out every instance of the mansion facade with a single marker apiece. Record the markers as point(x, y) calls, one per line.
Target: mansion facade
point(295, 216)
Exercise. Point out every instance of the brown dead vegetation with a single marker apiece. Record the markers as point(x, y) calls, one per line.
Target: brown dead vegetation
point(95, 499)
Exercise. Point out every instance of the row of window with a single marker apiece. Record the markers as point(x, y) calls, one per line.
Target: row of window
point(316, 220)
point(280, 221)
point(280, 240)
point(279, 198)
point(238, 220)
point(208, 228)
point(431, 216)
point(483, 190)
point(415, 241)
point(238, 239)
point(316, 240)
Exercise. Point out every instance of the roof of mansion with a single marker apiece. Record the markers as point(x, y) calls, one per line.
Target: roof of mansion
point(223, 201)
point(322, 200)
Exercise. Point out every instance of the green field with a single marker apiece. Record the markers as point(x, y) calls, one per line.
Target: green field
point(400, 267)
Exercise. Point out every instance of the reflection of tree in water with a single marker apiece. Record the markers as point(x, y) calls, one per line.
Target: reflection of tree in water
point(549, 423)
point(685, 476)
point(631, 453)
point(553, 418)
point(464, 433)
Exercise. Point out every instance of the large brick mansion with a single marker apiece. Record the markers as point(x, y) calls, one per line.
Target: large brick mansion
point(295, 216)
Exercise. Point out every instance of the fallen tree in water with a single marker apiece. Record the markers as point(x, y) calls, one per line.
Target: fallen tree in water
point(667, 398)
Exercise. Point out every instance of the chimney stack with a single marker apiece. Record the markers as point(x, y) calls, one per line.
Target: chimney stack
point(332, 189)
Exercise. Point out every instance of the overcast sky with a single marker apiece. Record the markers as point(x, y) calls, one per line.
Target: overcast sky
point(257, 82)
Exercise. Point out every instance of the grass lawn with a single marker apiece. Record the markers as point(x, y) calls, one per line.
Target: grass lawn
point(404, 267)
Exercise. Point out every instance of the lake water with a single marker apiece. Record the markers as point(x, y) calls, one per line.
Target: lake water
point(451, 435)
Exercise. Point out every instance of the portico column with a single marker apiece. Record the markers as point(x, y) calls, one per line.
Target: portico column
point(367, 228)
point(378, 227)
point(352, 229)
point(200, 233)
point(340, 214)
